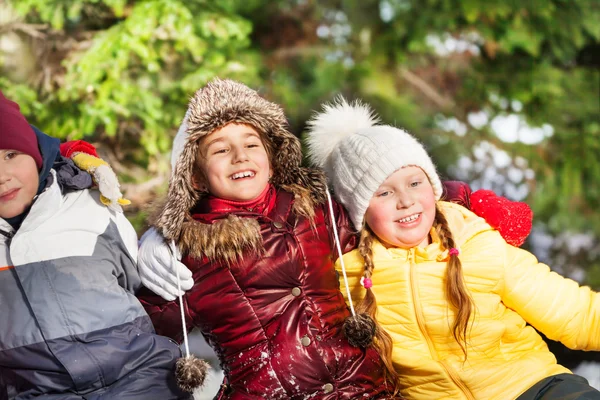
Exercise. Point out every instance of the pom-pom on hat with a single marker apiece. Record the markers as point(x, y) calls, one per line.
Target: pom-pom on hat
point(358, 154)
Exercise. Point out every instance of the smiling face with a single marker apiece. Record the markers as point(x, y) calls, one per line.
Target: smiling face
point(234, 163)
point(402, 210)
point(19, 180)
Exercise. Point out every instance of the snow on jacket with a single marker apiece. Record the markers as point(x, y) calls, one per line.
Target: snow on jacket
point(510, 289)
point(71, 327)
point(274, 319)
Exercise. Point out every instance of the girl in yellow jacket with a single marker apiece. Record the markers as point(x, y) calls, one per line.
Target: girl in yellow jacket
point(452, 306)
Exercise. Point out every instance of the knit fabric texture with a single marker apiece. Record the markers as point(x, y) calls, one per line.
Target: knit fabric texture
point(358, 154)
point(15, 132)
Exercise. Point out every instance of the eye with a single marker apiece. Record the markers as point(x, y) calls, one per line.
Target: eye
point(220, 151)
point(415, 183)
point(10, 155)
point(384, 194)
point(252, 145)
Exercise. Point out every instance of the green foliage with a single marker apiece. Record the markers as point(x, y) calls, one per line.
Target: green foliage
point(120, 72)
point(135, 75)
point(532, 59)
point(529, 53)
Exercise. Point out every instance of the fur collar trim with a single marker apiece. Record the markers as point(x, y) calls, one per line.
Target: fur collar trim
point(226, 239)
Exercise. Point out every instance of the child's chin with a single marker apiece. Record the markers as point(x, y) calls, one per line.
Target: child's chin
point(247, 196)
point(11, 213)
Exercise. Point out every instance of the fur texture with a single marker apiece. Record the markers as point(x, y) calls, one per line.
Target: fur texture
point(217, 104)
point(225, 239)
point(191, 373)
point(335, 123)
point(360, 330)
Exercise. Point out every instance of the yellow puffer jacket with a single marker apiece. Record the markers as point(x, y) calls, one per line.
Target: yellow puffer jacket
point(510, 289)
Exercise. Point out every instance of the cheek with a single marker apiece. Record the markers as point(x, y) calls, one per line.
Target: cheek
point(32, 180)
point(430, 202)
point(265, 163)
point(376, 215)
point(213, 169)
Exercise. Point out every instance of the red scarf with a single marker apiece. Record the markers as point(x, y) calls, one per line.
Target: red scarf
point(211, 208)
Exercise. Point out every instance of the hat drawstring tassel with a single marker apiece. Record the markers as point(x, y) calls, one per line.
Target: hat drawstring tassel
point(359, 329)
point(190, 371)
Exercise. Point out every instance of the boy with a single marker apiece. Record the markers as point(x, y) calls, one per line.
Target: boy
point(71, 325)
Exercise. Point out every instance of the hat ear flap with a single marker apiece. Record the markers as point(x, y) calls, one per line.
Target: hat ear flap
point(287, 157)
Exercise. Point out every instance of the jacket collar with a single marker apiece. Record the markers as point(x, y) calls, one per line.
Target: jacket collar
point(431, 252)
point(211, 208)
point(230, 236)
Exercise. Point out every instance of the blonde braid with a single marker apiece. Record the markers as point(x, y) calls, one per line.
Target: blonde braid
point(456, 289)
point(368, 305)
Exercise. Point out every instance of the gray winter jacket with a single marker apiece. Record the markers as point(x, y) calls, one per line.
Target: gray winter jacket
point(70, 325)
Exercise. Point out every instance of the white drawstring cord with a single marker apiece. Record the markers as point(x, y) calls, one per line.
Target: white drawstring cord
point(339, 249)
point(185, 338)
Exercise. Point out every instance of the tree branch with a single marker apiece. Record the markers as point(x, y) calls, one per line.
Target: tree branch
point(426, 89)
point(33, 30)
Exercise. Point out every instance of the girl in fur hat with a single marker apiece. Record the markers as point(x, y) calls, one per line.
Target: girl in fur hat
point(253, 229)
point(451, 298)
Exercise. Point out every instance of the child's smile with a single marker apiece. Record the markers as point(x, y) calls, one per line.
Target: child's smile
point(402, 210)
point(235, 163)
point(9, 195)
point(242, 175)
point(410, 219)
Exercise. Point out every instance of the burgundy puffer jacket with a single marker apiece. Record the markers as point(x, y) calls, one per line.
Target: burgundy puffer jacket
point(275, 320)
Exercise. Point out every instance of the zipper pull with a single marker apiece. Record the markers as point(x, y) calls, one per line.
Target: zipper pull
point(9, 236)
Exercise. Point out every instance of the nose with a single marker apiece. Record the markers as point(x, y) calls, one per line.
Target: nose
point(405, 200)
point(4, 175)
point(240, 155)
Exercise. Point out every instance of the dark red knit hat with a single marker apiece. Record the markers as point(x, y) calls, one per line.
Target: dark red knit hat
point(15, 132)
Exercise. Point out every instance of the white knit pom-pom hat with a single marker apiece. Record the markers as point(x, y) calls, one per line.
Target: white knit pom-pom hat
point(358, 155)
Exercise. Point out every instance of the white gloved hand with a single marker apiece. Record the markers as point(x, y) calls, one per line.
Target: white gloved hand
point(157, 267)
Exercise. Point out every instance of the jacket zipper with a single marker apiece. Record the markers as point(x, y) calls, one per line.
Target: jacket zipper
point(417, 304)
point(421, 323)
point(9, 236)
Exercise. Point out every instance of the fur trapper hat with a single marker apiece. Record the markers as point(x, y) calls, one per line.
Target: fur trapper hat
point(217, 104)
point(358, 154)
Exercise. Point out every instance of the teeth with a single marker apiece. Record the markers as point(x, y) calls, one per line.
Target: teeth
point(410, 218)
point(242, 174)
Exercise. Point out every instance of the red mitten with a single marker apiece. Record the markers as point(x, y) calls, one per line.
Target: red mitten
point(512, 219)
point(77, 146)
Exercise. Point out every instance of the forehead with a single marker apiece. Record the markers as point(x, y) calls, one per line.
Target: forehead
point(228, 134)
point(231, 131)
point(405, 173)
